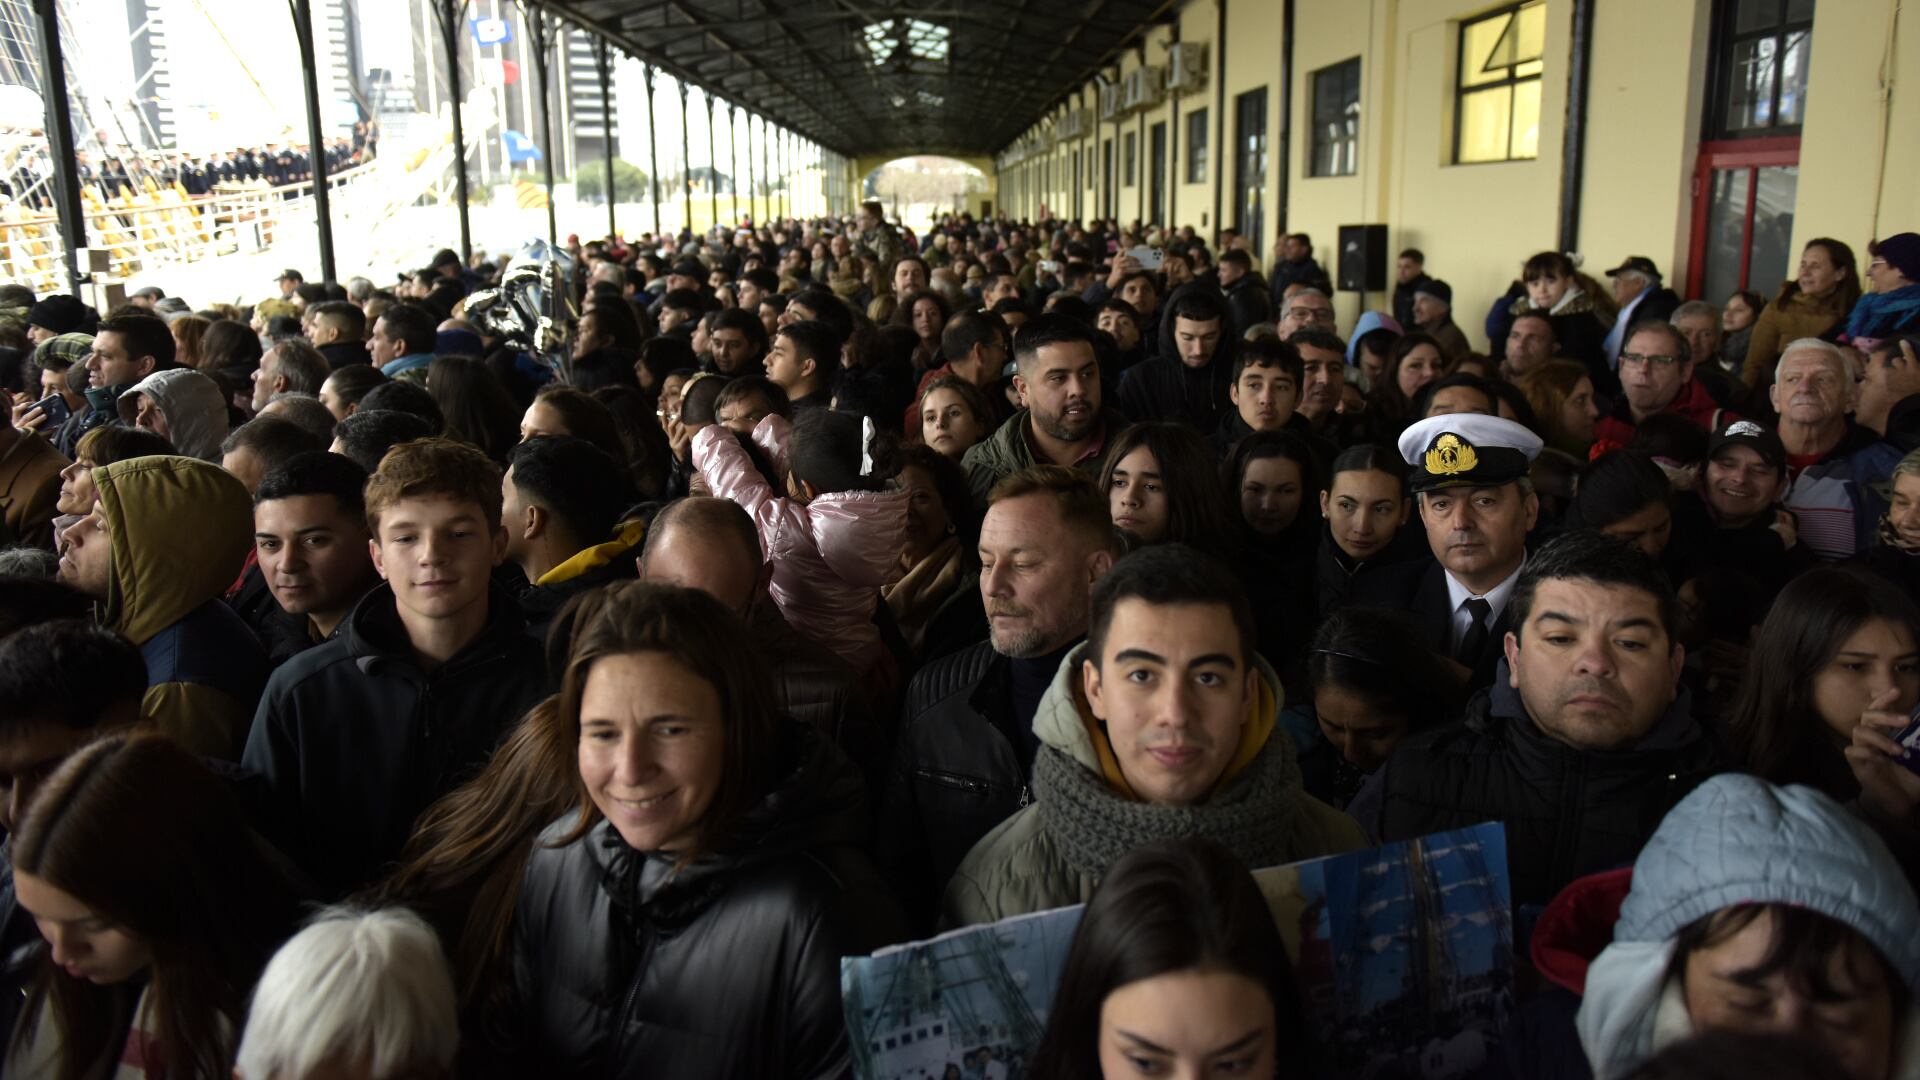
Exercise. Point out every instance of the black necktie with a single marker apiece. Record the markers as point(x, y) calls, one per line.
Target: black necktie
point(1475, 639)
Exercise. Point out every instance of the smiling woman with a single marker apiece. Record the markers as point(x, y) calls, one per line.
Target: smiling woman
point(709, 874)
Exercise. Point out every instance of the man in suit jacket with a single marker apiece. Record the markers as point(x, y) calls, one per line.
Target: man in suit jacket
point(1469, 474)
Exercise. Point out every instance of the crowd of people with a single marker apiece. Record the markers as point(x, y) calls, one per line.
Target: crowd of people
point(111, 171)
point(381, 698)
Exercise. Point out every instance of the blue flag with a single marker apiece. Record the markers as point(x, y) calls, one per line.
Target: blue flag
point(519, 147)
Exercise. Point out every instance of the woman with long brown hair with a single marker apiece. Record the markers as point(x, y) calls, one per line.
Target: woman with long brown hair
point(1822, 291)
point(684, 912)
point(159, 907)
point(1838, 642)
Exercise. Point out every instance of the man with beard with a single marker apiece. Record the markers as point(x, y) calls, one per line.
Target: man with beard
point(1584, 741)
point(1061, 421)
point(966, 750)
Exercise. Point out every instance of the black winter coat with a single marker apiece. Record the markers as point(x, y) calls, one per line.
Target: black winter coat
point(1567, 812)
point(355, 739)
point(1165, 388)
point(955, 775)
point(730, 967)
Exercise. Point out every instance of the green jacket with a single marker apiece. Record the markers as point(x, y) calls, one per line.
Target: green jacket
point(1022, 867)
point(1007, 451)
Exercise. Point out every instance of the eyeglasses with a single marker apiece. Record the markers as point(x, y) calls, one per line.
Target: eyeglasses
point(1307, 314)
point(1628, 359)
point(1876, 264)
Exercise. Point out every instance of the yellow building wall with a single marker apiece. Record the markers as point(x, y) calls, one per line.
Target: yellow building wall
point(1252, 63)
point(1860, 156)
point(1860, 159)
point(1646, 99)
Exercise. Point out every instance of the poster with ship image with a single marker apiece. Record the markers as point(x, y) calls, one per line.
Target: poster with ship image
point(1404, 954)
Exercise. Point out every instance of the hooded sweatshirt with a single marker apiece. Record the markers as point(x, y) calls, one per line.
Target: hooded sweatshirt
point(1085, 815)
point(1740, 840)
point(1165, 388)
point(195, 409)
point(180, 530)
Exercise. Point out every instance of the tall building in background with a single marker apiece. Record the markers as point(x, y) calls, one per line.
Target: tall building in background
point(504, 75)
point(336, 48)
point(153, 61)
point(594, 117)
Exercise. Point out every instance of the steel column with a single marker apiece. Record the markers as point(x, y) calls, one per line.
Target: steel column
point(753, 182)
point(603, 66)
point(66, 171)
point(733, 151)
point(316, 141)
point(541, 30)
point(451, 15)
point(713, 166)
point(686, 161)
point(653, 153)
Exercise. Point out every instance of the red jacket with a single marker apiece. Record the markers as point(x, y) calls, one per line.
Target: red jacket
point(1618, 427)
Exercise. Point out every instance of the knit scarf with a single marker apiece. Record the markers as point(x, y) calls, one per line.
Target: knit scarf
point(922, 589)
point(1255, 815)
point(1878, 314)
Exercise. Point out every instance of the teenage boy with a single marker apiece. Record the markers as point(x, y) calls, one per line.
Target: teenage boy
point(803, 359)
point(1265, 394)
point(357, 736)
point(310, 535)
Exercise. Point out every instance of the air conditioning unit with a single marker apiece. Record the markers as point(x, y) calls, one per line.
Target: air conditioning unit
point(1071, 126)
point(1187, 67)
point(1143, 88)
point(1110, 101)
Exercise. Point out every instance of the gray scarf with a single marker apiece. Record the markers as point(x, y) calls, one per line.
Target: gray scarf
point(1255, 816)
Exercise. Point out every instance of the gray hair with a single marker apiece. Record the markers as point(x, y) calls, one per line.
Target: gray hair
point(1849, 366)
point(303, 409)
point(355, 986)
point(1908, 466)
point(359, 289)
point(1695, 307)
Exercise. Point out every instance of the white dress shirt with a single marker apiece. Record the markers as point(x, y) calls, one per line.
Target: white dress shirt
point(1496, 599)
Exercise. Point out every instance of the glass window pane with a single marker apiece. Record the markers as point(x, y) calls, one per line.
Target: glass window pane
point(1793, 77)
point(1799, 11)
point(1751, 15)
point(1773, 199)
point(1531, 67)
point(1526, 119)
point(1485, 116)
point(1530, 33)
point(1726, 231)
point(1750, 84)
point(1477, 43)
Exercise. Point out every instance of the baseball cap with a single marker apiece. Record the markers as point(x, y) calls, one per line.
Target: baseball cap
point(1638, 264)
point(1764, 441)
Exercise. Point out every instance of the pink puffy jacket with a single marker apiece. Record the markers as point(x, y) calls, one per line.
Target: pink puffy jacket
point(831, 557)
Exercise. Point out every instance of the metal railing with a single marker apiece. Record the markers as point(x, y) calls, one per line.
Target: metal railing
point(163, 227)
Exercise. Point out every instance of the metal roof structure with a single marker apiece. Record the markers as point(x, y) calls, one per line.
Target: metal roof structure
point(863, 76)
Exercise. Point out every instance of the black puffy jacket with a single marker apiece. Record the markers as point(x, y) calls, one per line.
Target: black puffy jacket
point(730, 967)
point(955, 774)
point(1568, 812)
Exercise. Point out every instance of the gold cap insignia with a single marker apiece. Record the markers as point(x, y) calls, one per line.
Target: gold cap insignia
point(1451, 455)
